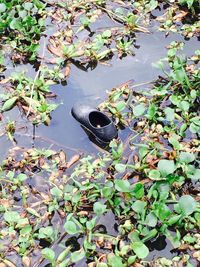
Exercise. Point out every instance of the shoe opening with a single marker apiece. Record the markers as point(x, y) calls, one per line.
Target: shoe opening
point(98, 120)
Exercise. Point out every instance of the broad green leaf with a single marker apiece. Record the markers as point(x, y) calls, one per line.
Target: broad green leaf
point(140, 249)
point(77, 255)
point(139, 110)
point(169, 113)
point(187, 157)
point(187, 204)
point(2, 7)
point(184, 105)
point(166, 167)
point(151, 220)
point(46, 232)
point(120, 167)
point(122, 185)
point(115, 261)
point(70, 228)
point(48, 254)
point(11, 216)
point(139, 206)
point(138, 190)
point(9, 104)
point(99, 208)
point(22, 177)
point(154, 174)
point(56, 192)
point(174, 219)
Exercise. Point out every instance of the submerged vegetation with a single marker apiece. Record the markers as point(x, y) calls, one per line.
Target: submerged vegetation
point(114, 208)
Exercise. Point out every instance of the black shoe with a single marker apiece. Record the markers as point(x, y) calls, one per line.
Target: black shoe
point(95, 121)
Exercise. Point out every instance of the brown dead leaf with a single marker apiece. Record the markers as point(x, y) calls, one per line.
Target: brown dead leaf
point(55, 50)
point(180, 16)
point(26, 261)
point(73, 160)
point(67, 71)
point(9, 263)
point(5, 81)
point(62, 156)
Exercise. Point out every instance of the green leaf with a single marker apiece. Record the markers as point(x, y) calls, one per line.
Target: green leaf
point(107, 34)
point(115, 261)
point(173, 220)
point(120, 106)
point(169, 113)
point(56, 192)
point(70, 228)
point(151, 220)
point(139, 206)
point(154, 174)
point(77, 255)
point(140, 249)
point(46, 232)
point(22, 177)
point(151, 111)
point(120, 167)
point(139, 110)
point(9, 103)
point(48, 254)
point(187, 204)
point(122, 185)
point(99, 208)
point(184, 105)
point(138, 190)
point(186, 157)
point(2, 7)
point(11, 216)
point(166, 167)
point(28, 5)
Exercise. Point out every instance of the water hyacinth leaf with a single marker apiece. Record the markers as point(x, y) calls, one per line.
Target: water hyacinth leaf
point(99, 208)
point(56, 192)
point(46, 232)
point(140, 249)
point(139, 206)
point(122, 185)
point(173, 140)
point(163, 189)
point(166, 167)
point(22, 177)
point(187, 204)
point(184, 105)
point(48, 254)
point(169, 113)
point(2, 7)
point(174, 219)
point(193, 173)
point(138, 190)
point(115, 261)
point(11, 216)
point(9, 104)
point(139, 110)
point(154, 174)
point(151, 111)
point(120, 167)
point(77, 255)
point(107, 34)
point(151, 220)
point(120, 106)
point(70, 228)
point(186, 157)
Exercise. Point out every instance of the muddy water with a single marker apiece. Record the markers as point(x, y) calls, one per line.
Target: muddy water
point(90, 86)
